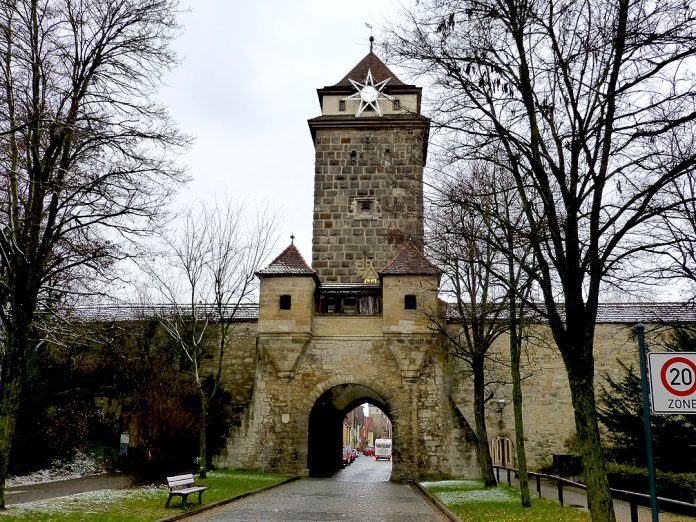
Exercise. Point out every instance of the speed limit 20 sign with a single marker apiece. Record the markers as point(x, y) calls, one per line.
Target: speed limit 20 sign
point(673, 382)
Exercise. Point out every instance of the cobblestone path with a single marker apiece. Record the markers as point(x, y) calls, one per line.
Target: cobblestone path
point(361, 492)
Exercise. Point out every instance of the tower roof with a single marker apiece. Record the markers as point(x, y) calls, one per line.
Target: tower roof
point(372, 63)
point(410, 261)
point(289, 262)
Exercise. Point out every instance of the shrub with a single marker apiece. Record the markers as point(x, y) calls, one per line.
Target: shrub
point(678, 486)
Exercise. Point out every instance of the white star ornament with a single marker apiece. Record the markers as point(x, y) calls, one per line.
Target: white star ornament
point(369, 93)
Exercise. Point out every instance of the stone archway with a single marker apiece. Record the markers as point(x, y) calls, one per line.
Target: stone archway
point(324, 441)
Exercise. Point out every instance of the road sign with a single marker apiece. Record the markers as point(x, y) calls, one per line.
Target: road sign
point(673, 382)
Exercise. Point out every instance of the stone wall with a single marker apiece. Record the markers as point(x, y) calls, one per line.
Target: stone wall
point(431, 407)
point(548, 415)
point(365, 209)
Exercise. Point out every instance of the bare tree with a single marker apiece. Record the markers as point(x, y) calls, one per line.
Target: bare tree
point(86, 158)
point(492, 195)
point(591, 104)
point(677, 255)
point(207, 279)
point(458, 246)
point(495, 223)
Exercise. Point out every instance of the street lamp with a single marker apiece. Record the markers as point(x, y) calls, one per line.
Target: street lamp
point(500, 406)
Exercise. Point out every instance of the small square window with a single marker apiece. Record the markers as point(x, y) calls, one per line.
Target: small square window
point(365, 205)
point(341, 105)
point(397, 104)
point(409, 302)
point(285, 302)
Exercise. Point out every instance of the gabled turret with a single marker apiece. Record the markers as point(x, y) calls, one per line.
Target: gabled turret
point(286, 309)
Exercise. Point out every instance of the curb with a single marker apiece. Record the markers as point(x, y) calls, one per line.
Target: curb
point(201, 509)
point(436, 502)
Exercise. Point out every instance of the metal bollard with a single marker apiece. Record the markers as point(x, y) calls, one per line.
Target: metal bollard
point(560, 492)
point(634, 511)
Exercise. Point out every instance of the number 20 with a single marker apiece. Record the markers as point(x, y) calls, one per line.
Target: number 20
point(687, 377)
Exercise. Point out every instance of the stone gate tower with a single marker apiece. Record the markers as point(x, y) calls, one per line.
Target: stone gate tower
point(355, 326)
point(371, 145)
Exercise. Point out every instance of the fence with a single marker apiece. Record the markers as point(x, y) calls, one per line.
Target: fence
point(634, 499)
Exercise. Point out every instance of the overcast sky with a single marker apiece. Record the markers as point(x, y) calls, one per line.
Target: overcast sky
point(246, 87)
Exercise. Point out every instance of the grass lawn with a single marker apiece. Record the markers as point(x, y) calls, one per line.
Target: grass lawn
point(471, 502)
point(138, 503)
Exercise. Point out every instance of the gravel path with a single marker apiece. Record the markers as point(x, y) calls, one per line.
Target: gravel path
point(61, 488)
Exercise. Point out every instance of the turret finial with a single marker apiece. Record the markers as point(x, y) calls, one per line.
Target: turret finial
point(372, 40)
point(292, 239)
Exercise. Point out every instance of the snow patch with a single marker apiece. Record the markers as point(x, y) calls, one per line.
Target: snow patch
point(453, 484)
point(479, 495)
point(82, 465)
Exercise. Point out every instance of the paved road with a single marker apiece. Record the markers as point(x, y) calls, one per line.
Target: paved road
point(61, 488)
point(360, 492)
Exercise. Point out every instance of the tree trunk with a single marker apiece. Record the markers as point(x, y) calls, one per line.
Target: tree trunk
point(482, 449)
point(203, 436)
point(515, 351)
point(581, 381)
point(11, 381)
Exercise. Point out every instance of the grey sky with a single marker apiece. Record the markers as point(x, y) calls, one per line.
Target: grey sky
point(245, 88)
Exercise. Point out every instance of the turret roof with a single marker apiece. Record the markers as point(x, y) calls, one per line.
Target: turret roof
point(372, 63)
point(409, 261)
point(289, 262)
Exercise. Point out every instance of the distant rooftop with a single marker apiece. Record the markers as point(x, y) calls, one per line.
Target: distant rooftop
point(141, 312)
point(620, 313)
point(629, 313)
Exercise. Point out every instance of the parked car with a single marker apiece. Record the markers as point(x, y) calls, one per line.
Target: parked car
point(355, 454)
point(347, 456)
point(369, 451)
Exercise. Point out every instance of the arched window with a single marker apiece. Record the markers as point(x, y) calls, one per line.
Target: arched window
point(503, 452)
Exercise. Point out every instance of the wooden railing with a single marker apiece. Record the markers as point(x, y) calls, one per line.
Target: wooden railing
point(634, 499)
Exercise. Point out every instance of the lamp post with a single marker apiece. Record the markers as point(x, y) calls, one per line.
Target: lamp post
point(500, 406)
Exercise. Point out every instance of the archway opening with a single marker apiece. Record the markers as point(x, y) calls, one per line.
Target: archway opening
point(326, 421)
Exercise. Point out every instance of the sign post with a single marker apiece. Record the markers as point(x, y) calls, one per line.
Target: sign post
point(640, 332)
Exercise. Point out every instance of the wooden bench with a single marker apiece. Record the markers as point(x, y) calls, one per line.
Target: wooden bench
point(182, 486)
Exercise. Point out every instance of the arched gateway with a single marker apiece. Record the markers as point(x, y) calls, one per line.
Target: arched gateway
point(354, 326)
point(326, 419)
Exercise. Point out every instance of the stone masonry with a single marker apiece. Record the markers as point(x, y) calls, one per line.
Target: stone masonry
point(365, 209)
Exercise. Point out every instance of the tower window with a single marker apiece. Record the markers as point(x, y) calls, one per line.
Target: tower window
point(409, 302)
point(397, 104)
point(365, 208)
point(341, 105)
point(285, 302)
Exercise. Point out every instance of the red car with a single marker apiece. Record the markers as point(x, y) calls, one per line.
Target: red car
point(347, 456)
point(369, 451)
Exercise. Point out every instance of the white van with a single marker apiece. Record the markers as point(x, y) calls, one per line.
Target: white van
point(383, 449)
